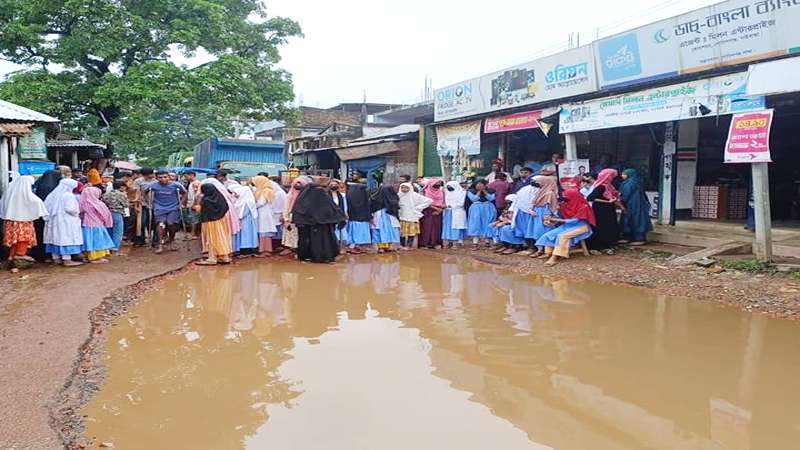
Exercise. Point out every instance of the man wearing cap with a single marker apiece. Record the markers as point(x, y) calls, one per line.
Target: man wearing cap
point(497, 167)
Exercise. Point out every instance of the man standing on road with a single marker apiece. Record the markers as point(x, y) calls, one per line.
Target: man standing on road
point(191, 219)
point(141, 205)
point(167, 197)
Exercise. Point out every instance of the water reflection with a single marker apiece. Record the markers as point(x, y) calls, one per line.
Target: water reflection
point(341, 356)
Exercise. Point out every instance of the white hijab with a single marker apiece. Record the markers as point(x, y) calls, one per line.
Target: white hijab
point(57, 200)
point(244, 200)
point(455, 201)
point(412, 204)
point(19, 203)
point(280, 197)
point(524, 200)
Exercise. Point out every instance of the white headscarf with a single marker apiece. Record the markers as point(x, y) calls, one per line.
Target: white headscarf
point(280, 198)
point(455, 201)
point(412, 204)
point(244, 200)
point(19, 203)
point(524, 200)
point(56, 200)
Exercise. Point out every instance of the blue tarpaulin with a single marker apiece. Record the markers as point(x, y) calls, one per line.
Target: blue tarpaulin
point(35, 167)
point(368, 166)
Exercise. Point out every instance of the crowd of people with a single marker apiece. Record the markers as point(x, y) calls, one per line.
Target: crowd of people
point(72, 219)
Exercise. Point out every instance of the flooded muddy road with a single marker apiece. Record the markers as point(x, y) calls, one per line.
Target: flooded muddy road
point(415, 352)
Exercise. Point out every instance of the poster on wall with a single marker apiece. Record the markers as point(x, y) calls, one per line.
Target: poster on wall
point(693, 99)
point(748, 138)
point(563, 75)
point(571, 171)
point(452, 138)
point(728, 33)
point(687, 177)
point(33, 145)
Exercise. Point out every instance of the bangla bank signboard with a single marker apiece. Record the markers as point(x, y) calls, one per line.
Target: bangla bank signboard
point(714, 96)
point(559, 76)
point(728, 33)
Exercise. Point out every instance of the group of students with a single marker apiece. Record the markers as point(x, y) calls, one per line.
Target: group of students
point(72, 221)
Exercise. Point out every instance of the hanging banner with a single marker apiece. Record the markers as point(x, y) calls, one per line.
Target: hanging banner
point(559, 76)
point(694, 99)
point(748, 138)
point(512, 122)
point(770, 78)
point(33, 145)
point(571, 171)
point(728, 33)
point(452, 138)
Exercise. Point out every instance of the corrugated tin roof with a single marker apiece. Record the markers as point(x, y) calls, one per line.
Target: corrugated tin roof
point(394, 131)
point(15, 113)
point(73, 143)
point(15, 129)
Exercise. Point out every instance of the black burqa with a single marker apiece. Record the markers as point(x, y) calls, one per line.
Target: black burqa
point(385, 198)
point(358, 208)
point(606, 233)
point(42, 188)
point(316, 217)
point(213, 206)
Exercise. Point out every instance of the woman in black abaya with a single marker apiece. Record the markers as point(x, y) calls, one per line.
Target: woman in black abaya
point(316, 216)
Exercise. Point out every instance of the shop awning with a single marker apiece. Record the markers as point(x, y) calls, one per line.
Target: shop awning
point(365, 151)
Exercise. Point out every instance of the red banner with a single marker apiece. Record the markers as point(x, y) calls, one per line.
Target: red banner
point(512, 122)
point(748, 138)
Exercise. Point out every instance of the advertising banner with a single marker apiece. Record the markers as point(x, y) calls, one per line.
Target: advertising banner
point(770, 78)
point(748, 138)
point(728, 33)
point(714, 96)
point(559, 76)
point(512, 122)
point(452, 138)
point(570, 172)
point(33, 145)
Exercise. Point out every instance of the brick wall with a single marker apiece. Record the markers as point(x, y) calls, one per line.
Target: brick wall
point(316, 117)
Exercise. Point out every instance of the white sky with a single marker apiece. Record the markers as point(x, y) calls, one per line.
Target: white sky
point(386, 48)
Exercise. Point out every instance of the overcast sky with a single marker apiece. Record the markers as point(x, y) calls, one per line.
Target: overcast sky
point(386, 48)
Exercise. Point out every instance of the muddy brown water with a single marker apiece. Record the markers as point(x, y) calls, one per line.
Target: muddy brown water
point(415, 352)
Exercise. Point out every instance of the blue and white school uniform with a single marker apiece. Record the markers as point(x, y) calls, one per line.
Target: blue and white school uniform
point(506, 235)
point(358, 233)
point(550, 239)
point(536, 227)
point(341, 233)
point(247, 237)
point(481, 214)
point(386, 228)
point(96, 239)
point(522, 203)
point(453, 231)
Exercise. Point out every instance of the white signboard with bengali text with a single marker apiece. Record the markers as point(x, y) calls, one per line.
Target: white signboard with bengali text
point(728, 33)
point(559, 76)
point(450, 139)
point(694, 99)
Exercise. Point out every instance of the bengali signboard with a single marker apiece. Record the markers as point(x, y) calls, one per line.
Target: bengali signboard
point(452, 138)
point(728, 33)
point(512, 122)
point(748, 138)
point(559, 76)
point(694, 99)
point(33, 145)
point(571, 171)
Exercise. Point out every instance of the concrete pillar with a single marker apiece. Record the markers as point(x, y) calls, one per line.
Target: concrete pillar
point(762, 246)
point(571, 148)
point(668, 170)
point(4, 164)
point(75, 159)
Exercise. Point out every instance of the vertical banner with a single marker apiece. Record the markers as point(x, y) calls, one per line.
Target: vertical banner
point(571, 171)
point(463, 136)
point(748, 138)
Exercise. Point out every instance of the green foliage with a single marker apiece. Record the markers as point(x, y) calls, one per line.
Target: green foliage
point(747, 265)
point(102, 67)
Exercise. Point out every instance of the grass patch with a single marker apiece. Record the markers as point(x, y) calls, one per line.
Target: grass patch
point(748, 265)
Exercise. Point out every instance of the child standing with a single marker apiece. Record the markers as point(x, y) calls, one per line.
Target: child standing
point(117, 201)
point(412, 206)
point(454, 219)
point(96, 219)
point(482, 213)
point(19, 208)
point(385, 206)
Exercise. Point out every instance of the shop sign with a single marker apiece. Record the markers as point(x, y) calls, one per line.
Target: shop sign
point(571, 171)
point(748, 138)
point(559, 76)
point(33, 145)
point(463, 136)
point(770, 78)
point(728, 33)
point(694, 99)
point(512, 122)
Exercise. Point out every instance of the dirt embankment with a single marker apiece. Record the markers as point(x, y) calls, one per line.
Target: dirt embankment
point(649, 267)
point(43, 312)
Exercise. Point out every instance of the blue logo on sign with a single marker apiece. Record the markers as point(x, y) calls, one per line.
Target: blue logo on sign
point(619, 57)
point(661, 36)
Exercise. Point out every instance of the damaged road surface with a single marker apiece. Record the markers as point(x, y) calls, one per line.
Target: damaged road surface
point(405, 352)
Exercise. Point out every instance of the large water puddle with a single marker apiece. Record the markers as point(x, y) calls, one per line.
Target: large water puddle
point(412, 352)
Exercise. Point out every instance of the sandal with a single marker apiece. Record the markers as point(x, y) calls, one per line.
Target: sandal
point(71, 263)
point(550, 264)
point(206, 262)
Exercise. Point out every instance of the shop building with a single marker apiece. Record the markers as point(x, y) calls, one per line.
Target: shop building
point(23, 137)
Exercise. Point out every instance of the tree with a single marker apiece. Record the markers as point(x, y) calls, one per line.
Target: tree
point(103, 68)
